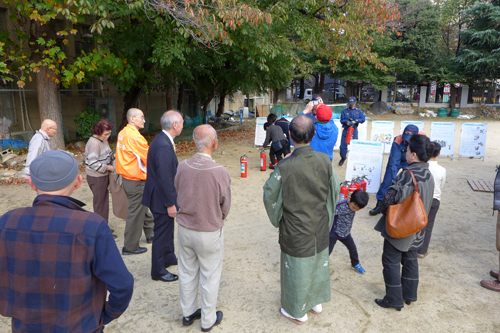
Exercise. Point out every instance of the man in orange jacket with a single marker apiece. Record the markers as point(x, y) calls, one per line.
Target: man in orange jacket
point(131, 160)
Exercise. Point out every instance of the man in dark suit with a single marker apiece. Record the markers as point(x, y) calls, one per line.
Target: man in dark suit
point(160, 195)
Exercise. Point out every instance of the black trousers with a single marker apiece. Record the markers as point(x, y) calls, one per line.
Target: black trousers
point(163, 250)
point(430, 225)
point(279, 154)
point(400, 284)
point(349, 243)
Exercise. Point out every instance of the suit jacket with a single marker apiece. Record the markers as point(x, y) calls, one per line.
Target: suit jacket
point(159, 191)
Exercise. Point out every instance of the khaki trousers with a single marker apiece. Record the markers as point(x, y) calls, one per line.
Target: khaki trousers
point(136, 214)
point(200, 263)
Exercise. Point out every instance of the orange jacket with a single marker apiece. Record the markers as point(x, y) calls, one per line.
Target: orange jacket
point(131, 154)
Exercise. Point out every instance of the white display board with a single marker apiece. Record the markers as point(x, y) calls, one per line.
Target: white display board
point(260, 134)
point(419, 124)
point(444, 134)
point(339, 136)
point(472, 140)
point(383, 131)
point(362, 133)
point(366, 159)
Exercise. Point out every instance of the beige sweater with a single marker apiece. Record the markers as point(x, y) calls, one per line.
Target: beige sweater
point(203, 193)
point(98, 156)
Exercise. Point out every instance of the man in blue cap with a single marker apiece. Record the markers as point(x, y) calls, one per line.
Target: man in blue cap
point(350, 117)
point(397, 160)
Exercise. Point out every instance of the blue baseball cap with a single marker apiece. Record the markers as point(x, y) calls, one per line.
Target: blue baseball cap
point(352, 101)
point(409, 131)
point(317, 97)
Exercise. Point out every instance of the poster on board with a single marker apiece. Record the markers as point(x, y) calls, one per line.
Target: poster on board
point(383, 131)
point(444, 134)
point(260, 134)
point(472, 140)
point(362, 133)
point(366, 159)
point(339, 126)
point(419, 124)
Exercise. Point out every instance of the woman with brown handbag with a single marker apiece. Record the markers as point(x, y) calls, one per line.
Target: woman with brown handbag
point(402, 287)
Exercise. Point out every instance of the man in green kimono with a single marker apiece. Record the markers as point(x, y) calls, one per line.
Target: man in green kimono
point(300, 197)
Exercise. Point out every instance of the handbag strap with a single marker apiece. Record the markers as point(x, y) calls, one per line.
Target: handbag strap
point(414, 180)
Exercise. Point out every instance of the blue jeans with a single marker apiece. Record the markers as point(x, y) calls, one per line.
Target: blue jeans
point(343, 145)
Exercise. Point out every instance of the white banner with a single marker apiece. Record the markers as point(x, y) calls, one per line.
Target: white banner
point(472, 140)
point(383, 131)
point(365, 159)
point(444, 134)
point(419, 124)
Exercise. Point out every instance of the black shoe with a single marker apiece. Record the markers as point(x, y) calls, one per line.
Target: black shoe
point(140, 250)
point(407, 302)
point(114, 236)
point(377, 210)
point(217, 322)
point(188, 321)
point(382, 303)
point(341, 162)
point(149, 240)
point(169, 277)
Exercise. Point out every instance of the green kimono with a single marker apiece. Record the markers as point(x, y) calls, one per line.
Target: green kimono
point(305, 282)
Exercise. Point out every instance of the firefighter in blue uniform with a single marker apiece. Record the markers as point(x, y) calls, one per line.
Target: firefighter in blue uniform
point(397, 161)
point(350, 117)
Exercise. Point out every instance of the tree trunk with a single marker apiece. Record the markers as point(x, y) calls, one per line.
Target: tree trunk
point(395, 89)
point(180, 97)
point(453, 95)
point(129, 101)
point(316, 83)
point(48, 103)
point(302, 88)
point(220, 108)
point(321, 82)
point(170, 98)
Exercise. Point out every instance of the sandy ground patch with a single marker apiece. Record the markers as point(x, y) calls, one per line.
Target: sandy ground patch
point(450, 299)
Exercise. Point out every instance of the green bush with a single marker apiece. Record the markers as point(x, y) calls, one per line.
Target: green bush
point(86, 120)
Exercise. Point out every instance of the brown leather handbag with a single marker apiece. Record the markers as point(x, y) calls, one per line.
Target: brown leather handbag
point(408, 217)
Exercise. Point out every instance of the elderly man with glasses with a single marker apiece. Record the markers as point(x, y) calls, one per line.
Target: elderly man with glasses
point(40, 143)
point(131, 162)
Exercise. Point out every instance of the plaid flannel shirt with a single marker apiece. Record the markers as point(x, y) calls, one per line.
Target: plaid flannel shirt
point(56, 262)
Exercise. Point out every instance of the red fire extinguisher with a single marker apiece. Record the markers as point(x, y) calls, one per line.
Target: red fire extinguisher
point(262, 161)
point(352, 188)
point(344, 191)
point(244, 166)
point(363, 183)
point(357, 182)
point(348, 137)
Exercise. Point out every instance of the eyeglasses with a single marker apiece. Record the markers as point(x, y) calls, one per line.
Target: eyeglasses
point(141, 117)
point(52, 128)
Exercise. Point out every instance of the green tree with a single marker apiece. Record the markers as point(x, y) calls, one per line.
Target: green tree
point(35, 46)
point(480, 56)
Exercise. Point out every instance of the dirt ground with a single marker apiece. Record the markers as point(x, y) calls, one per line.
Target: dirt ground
point(450, 298)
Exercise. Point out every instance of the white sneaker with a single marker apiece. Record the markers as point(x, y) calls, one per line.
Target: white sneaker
point(298, 321)
point(318, 309)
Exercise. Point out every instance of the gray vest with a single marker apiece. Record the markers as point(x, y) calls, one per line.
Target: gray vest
point(304, 227)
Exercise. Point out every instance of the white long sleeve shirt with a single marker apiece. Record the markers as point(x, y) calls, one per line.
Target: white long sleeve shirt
point(439, 174)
